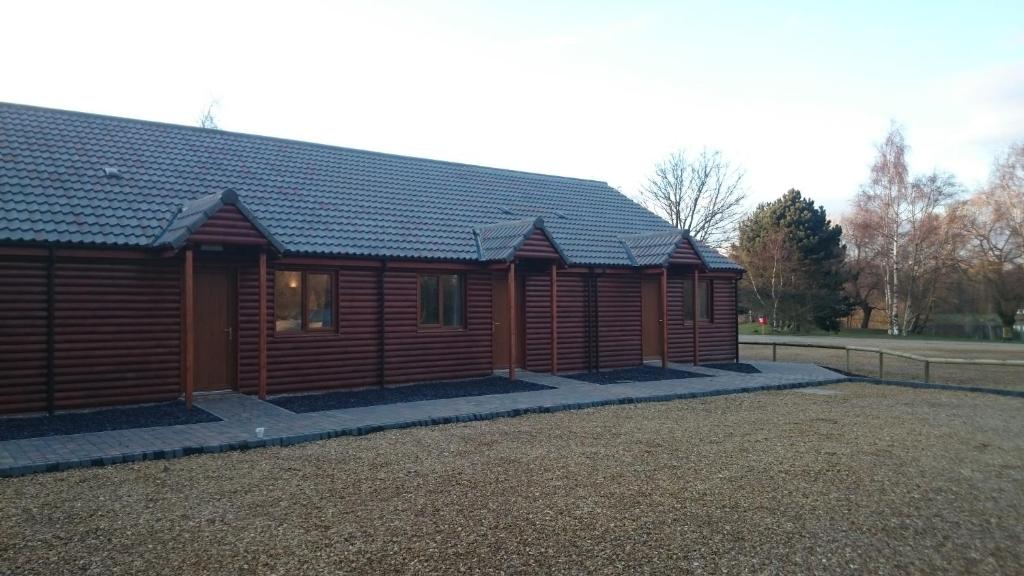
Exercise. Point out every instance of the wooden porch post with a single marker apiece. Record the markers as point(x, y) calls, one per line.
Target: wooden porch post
point(554, 318)
point(511, 279)
point(696, 317)
point(262, 381)
point(664, 317)
point(188, 331)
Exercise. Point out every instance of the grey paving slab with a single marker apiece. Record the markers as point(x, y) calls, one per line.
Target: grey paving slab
point(242, 415)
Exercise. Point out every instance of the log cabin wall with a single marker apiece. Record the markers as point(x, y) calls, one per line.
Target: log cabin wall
point(117, 332)
point(23, 333)
point(572, 321)
point(620, 320)
point(718, 337)
point(416, 354)
point(228, 226)
point(346, 357)
point(537, 320)
point(680, 331)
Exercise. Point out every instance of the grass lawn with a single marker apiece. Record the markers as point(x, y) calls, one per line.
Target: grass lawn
point(866, 363)
point(871, 479)
point(753, 328)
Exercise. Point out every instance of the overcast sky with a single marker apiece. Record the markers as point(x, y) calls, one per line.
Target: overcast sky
point(797, 93)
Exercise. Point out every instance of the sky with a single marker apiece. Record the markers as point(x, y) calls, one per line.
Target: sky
point(796, 93)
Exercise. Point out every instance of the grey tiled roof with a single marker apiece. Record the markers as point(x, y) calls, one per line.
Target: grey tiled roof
point(652, 248)
point(310, 198)
point(713, 259)
point(194, 213)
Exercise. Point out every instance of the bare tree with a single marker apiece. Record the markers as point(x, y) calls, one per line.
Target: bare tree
point(865, 280)
point(914, 237)
point(208, 118)
point(703, 195)
point(995, 225)
point(886, 194)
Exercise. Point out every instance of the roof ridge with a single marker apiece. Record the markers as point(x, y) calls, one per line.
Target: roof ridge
point(244, 135)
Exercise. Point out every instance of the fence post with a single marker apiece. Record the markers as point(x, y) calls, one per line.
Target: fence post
point(881, 365)
point(847, 360)
point(927, 371)
point(774, 355)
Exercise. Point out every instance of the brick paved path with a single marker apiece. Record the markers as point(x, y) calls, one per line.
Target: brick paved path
point(243, 414)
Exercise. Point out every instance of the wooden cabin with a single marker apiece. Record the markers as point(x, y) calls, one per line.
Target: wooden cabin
point(144, 262)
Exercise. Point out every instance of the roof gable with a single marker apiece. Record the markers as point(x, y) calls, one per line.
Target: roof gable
point(220, 218)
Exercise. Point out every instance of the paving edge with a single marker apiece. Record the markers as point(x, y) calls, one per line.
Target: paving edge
point(166, 454)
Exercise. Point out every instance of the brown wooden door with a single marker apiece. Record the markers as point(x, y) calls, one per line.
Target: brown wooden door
point(500, 311)
point(652, 312)
point(215, 329)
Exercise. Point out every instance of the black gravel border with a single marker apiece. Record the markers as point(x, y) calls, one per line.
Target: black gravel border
point(633, 374)
point(738, 367)
point(147, 416)
point(303, 403)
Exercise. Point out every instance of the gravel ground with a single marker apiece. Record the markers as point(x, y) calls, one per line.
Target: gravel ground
point(873, 479)
point(412, 393)
point(866, 363)
point(164, 414)
point(633, 374)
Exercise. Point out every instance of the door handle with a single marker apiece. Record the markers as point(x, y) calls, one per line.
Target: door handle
point(230, 332)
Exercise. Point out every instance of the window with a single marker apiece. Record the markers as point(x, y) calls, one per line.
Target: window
point(704, 292)
point(303, 301)
point(442, 302)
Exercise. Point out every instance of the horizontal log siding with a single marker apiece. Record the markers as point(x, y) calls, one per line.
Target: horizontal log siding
point(680, 332)
point(413, 354)
point(718, 338)
point(117, 332)
point(228, 226)
point(537, 245)
point(572, 325)
point(619, 321)
point(348, 357)
point(23, 335)
point(538, 321)
point(685, 255)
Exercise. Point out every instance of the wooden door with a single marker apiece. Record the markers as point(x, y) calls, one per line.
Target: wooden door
point(652, 320)
point(214, 329)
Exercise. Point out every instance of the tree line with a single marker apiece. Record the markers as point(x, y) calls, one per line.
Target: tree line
point(910, 246)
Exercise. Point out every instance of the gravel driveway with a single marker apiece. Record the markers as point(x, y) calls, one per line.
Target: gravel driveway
point(873, 479)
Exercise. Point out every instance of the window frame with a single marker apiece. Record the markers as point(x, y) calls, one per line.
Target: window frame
point(692, 291)
point(440, 325)
point(304, 328)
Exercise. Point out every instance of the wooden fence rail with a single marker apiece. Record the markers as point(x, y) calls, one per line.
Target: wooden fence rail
point(926, 360)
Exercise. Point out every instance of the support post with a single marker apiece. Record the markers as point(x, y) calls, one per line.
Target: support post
point(188, 331)
point(262, 388)
point(511, 279)
point(51, 317)
point(881, 365)
point(554, 318)
point(847, 360)
point(927, 371)
point(696, 320)
point(664, 317)
point(775, 354)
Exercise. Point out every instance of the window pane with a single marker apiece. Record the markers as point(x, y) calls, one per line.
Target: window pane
point(288, 301)
point(451, 286)
point(428, 300)
point(319, 301)
point(704, 300)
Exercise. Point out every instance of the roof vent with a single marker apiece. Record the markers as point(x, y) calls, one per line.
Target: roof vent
point(111, 172)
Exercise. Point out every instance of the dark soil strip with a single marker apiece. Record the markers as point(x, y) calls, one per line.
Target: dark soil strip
point(734, 367)
point(634, 374)
point(149, 416)
point(414, 393)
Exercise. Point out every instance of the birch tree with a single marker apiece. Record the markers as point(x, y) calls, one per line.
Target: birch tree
point(703, 194)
